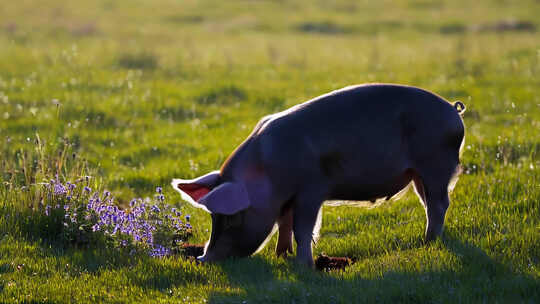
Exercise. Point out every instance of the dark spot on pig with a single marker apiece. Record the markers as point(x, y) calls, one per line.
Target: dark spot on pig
point(331, 164)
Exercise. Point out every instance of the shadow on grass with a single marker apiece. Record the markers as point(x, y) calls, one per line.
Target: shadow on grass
point(479, 278)
point(153, 274)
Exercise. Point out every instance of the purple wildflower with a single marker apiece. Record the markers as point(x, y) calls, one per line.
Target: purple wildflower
point(47, 210)
point(138, 223)
point(59, 189)
point(160, 251)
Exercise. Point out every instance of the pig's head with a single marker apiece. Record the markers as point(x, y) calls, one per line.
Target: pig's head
point(237, 228)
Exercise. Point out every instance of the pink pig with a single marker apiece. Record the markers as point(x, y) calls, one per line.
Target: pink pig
point(363, 142)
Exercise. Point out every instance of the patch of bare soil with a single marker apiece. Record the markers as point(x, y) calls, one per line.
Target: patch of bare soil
point(328, 263)
point(192, 250)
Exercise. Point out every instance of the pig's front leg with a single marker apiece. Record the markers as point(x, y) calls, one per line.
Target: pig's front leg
point(305, 213)
point(285, 223)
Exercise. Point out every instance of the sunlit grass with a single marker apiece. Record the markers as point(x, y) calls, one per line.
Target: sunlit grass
point(135, 94)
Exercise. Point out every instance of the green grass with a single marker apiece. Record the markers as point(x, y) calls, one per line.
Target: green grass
point(145, 91)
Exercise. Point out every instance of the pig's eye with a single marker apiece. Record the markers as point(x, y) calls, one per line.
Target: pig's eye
point(234, 220)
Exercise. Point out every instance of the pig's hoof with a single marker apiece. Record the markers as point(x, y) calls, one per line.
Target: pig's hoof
point(432, 237)
point(305, 262)
point(201, 260)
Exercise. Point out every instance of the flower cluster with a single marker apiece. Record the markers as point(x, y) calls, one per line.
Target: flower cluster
point(147, 224)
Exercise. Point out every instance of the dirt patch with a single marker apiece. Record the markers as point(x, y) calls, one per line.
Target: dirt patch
point(327, 263)
point(506, 26)
point(192, 250)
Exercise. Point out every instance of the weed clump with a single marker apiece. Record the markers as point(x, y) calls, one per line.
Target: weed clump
point(149, 225)
point(142, 61)
point(71, 209)
point(325, 27)
point(223, 95)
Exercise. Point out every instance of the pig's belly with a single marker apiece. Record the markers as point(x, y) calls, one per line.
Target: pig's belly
point(364, 188)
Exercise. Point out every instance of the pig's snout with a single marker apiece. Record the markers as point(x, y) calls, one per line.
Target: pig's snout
point(206, 258)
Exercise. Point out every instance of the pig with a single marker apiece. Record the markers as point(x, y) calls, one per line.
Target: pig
point(359, 143)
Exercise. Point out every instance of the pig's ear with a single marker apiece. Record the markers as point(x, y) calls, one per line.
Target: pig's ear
point(192, 190)
point(227, 198)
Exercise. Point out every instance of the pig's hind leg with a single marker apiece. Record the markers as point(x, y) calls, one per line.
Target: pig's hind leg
point(285, 223)
point(432, 188)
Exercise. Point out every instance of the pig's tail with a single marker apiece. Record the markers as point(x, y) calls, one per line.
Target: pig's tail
point(460, 107)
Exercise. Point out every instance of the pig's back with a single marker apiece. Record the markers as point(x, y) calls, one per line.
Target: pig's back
point(357, 113)
point(349, 133)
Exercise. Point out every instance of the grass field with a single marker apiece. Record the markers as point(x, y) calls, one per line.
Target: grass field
point(139, 92)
